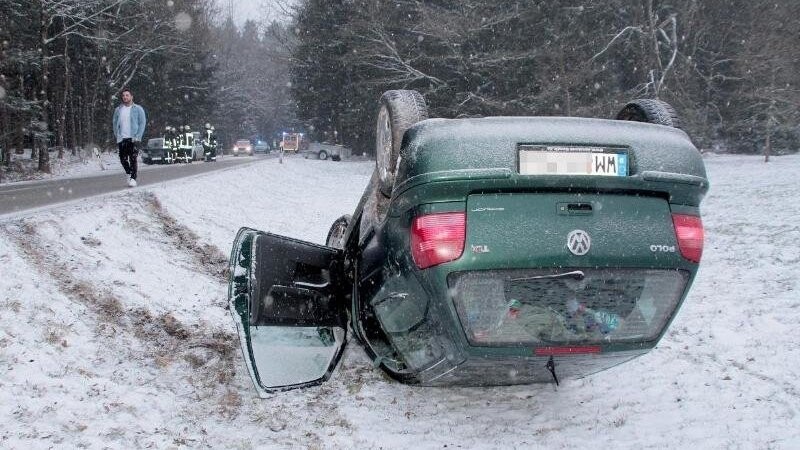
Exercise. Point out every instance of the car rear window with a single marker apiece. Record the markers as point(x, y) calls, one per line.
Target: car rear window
point(565, 306)
point(155, 143)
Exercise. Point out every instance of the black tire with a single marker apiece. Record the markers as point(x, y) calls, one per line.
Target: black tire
point(336, 234)
point(650, 111)
point(323, 155)
point(399, 110)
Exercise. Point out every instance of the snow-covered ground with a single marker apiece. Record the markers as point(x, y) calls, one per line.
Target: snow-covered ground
point(85, 162)
point(113, 332)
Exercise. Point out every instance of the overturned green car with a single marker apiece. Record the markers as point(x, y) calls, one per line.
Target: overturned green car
point(488, 251)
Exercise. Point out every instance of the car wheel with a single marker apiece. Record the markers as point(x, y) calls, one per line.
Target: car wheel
point(323, 155)
point(336, 234)
point(650, 111)
point(399, 110)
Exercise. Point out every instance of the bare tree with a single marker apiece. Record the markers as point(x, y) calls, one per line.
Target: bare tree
point(660, 36)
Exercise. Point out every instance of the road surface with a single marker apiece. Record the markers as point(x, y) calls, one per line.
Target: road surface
point(17, 197)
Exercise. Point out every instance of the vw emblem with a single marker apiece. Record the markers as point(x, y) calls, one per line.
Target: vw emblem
point(579, 242)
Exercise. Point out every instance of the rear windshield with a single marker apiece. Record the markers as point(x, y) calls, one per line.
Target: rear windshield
point(155, 143)
point(565, 306)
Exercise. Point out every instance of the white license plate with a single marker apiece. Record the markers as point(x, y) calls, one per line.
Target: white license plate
point(552, 160)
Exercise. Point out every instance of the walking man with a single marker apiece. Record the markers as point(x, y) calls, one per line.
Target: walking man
point(129, 122)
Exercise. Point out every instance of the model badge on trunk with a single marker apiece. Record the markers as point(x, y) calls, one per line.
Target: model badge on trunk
point(579, 242)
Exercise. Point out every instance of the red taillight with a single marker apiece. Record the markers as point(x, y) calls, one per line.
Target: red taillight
point(563, 351)
point(437, 238)
point(689, 230)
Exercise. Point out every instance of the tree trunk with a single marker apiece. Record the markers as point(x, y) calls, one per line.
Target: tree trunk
point(44, 155)
point(19, 139)
point(62, 121)
point(768, 140)
point(5, 157)
point(653, 22)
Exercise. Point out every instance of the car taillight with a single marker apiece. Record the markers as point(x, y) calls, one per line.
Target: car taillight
point(689, 230)
point(437, 238)
point(568, 350)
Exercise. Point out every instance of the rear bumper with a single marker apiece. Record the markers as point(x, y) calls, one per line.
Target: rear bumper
point(156, 155)
point(480, 371)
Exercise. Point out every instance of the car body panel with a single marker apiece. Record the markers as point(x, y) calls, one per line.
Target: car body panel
point(661, 158)
point(522, 230)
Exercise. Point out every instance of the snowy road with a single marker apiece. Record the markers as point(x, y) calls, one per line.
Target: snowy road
point(23, 196)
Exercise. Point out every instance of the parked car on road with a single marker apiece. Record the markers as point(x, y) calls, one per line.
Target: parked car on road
point(157, 151)
point(261, 147)
point(484, 251)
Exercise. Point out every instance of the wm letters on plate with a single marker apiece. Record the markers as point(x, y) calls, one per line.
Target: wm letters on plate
point(541, 160)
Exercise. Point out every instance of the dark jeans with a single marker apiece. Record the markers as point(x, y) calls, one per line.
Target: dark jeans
point(128, 156)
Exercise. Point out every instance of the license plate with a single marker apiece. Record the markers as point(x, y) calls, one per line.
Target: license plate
point(156, 158)
point(565, 160)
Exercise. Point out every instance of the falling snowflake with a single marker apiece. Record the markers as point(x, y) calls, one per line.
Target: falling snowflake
point(183, 21)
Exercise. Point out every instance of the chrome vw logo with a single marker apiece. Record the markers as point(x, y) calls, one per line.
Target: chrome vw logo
point(579, 242)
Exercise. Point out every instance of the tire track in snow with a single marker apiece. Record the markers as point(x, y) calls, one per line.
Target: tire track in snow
point(208, 257)
point(169, 345)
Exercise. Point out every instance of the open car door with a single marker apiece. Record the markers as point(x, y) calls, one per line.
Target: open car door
point(287, 298)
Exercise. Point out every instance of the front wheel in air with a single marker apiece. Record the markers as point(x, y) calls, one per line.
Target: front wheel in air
point(399, 111)
point(650, 111)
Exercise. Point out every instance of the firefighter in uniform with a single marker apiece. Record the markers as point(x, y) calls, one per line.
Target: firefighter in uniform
point(210, 143)
point(185, 147)
point(176, 144)
point(169, 143)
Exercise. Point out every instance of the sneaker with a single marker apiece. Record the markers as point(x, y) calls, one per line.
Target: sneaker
point(131, 182)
